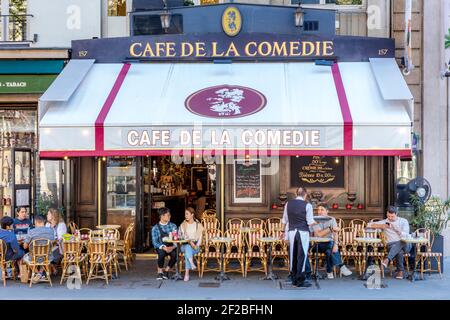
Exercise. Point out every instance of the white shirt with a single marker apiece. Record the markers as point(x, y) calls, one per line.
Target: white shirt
point(309, 215)
point(400, 224)
point(59, 230)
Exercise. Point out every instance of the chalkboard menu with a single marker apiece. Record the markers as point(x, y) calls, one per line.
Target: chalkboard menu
point(247, 181)
point(317, 172)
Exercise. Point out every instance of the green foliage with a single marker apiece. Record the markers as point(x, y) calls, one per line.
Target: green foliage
point(447, 40)
point(188, 3)
point(433, 215)
point(45, 202)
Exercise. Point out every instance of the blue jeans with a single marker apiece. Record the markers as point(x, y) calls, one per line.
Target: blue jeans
point(189, 253)
point(333, 259)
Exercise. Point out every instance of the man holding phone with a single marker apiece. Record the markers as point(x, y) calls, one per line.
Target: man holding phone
point(395, 228)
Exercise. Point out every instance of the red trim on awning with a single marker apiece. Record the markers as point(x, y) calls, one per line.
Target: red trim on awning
point(345, 108)
point(132, 153)
point(99, 123)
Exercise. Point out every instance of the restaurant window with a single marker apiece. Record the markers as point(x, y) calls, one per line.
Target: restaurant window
point(121, 183)
point(51, 186)
point(117, 8)
point(151, 24)
point(407, 169)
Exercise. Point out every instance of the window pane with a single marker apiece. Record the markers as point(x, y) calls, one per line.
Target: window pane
point(17, 128)
point(121, 183)
point(50, 186)
point(117, 8)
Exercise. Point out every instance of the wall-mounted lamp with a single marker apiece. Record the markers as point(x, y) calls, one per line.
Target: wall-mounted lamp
point(165, 17)
point(299, 16)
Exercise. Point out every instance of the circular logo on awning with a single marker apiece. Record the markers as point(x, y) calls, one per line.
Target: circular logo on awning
point(225, 101)
point(231, 21)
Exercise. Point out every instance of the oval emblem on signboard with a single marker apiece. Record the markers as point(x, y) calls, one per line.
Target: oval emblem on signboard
point(231, 21)
point(225, 101)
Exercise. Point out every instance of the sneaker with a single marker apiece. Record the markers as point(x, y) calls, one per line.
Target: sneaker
point(160, 276)
point(399, 275)
point(330, 275)
point(166, 275)
point(345, 271)
point(385, 262)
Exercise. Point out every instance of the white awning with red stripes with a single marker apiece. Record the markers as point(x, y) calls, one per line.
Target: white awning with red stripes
point(278, 108)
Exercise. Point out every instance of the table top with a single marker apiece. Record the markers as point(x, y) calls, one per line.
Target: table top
point(248, 229)
point(269, 239)
point(221, 239)
point(415, 240)
point(367, 240)
point(321, 218)
point(176, 241)
point(109, 226)
point(319, 239)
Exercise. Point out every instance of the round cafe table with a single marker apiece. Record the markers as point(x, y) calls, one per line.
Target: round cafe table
point(317, 241)
point(177, 276)
point(269, 241)
point(415, 241)
point(365, 241)
point(108, 226)
point(222, 241)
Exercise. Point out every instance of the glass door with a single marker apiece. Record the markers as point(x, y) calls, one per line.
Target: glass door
point(22, 173)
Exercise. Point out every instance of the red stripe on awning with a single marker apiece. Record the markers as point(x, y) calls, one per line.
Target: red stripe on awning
point(99, 123)
point(345, 108)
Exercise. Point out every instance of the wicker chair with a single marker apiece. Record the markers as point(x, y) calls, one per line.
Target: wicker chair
point(358, 224)
point(280, 249)
point(211, 223)
point(4, 264)
point(73, 227)
point(209, 213)
point(123, 247)
point(73, 256)
point(348, 248)
point(378, 252)
point(255, 249)
point(425, 253)
point(97, 234)
point(40, 250)
point(235, 224)
point(211, 251)
point(99, 261)
point(340, 223)
point(235, 251)
point(84, 233)
point(256, 224)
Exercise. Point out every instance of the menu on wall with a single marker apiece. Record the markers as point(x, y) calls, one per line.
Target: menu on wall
point(247, 181)
point(317, 172)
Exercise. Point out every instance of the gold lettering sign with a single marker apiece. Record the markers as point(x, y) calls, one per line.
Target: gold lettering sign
point(231, 21)
point(206, 2)
point(214, 49)
point(317, 171)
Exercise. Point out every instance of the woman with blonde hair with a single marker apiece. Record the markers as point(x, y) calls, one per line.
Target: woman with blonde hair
point(191, 229)
point(57, 224)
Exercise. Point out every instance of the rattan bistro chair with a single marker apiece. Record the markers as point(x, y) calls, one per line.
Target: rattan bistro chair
point(123, 247)
point(358, 225)
point(235, 224)
point(235, 251)
point(280, 249)
point(211, 251)
point(40, 250)
point(4, 264)
point(72, 227)
point(99, 261)
point(425, 253)
point(348, 248)
point(255, 251)
point(73, 258)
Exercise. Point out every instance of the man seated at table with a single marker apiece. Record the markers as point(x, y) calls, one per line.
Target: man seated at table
point(39, 232)
point(13, 250)
point(160, 231)
point(329, 229)
point(22, 224)
point(394, 228)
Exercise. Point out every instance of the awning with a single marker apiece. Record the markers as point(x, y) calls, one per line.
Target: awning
point(296, 108)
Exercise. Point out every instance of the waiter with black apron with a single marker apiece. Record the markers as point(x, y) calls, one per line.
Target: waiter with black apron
point(297, 217)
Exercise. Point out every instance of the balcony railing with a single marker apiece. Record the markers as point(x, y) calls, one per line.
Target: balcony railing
point(13, 28)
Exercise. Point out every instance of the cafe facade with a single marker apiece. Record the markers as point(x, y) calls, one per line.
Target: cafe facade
point(237, 103)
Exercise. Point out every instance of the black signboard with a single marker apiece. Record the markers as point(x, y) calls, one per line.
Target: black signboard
point(317, 172)
point(247, 181)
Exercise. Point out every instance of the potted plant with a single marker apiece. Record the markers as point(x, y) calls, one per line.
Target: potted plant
point(44, 203)
point(433, 215)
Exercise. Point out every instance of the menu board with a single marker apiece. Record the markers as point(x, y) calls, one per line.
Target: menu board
point(247, 181)
point(317, 172)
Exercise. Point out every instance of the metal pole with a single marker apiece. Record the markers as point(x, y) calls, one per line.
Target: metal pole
point(222, 194)
point(99, 190)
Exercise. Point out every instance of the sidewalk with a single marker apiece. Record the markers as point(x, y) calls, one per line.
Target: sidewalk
point(140, 283)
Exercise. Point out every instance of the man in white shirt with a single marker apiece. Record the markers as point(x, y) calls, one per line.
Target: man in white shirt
point(297, 218)
point(394, 228)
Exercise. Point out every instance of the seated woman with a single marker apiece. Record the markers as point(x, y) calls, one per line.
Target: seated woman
point(191, 229)
point(59, 228)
